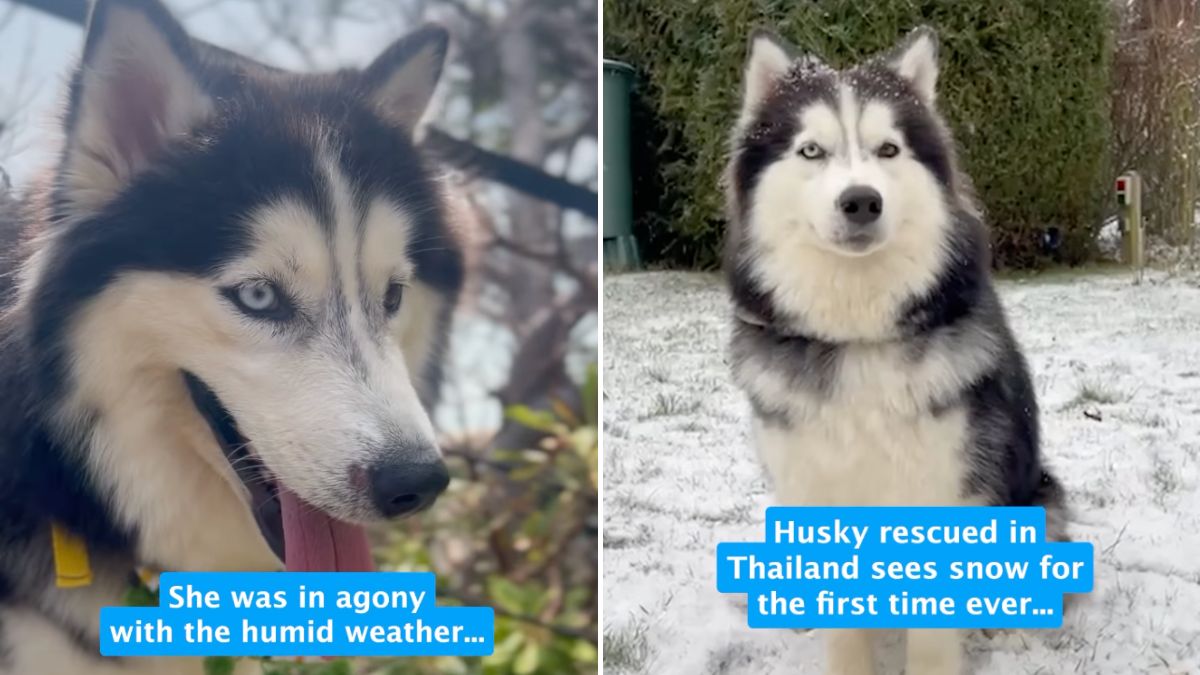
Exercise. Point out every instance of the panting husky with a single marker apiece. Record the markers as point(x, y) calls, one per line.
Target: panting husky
point(230, 299)
point(867, 332)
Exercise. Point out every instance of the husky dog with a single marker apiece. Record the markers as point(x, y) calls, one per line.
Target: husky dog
point(867, 333)
point(231, 298)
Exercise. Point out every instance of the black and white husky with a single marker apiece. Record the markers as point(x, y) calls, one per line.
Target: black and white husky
point(867, 333)
point(229, 301)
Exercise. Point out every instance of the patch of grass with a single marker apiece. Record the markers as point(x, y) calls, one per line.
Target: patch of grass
point(1120, 599)
point(1098, 393)
point(740, 513)
point(1097, 498)
point(1062, 274)
point(648, 501)
point(735, 656)
point(1155, 421)
point(1092, 391)
point(626, 649)
point(626, 470)
point(654, 565)
point(1145, 418)
point(1165, 480)
point(709, 384)
point(615, 430)
point(659, 373)
point(619, 538)
point(666, 405)
point(690, 332)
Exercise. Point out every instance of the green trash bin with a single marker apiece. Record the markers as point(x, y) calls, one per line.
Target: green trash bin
point(620, 248)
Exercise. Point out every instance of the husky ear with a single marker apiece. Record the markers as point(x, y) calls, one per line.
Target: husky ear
point(134, 90)
point(402, 80)
point(915, 59)
point(770, 59)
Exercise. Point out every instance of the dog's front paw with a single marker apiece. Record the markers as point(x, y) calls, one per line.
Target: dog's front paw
point(934, 652)
point(850, 653)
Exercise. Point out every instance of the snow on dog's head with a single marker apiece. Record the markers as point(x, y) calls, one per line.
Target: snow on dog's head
point(840, 174)
point(245, 276)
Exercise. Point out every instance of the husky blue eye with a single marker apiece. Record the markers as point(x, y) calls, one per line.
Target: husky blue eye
point(260, 299)
point(812, 151)
point(393, 296)
point(257, 297)
point(888, 150)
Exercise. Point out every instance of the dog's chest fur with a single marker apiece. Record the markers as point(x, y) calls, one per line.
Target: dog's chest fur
point(859, 424)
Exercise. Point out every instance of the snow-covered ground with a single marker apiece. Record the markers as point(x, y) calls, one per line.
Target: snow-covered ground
point(680, 477)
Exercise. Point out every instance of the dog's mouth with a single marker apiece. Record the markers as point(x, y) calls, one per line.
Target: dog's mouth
point(304, 537)
point(857, 243)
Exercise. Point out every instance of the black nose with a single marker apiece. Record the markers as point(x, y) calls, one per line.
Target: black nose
point(399, 488)
point(860, 204)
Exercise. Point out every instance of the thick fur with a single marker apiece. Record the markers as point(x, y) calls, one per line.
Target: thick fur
point(878, 360)
point(186, 173)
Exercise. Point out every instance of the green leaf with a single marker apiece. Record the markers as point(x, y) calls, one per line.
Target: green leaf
point(141, 596)
point(339, 667)
point(539, 420)
point(506, 594)
point(589, 394)
point(527, 661)
point(584, 652)
point(525, 473)
point(506, 649)
point(584, 440)
point(219, 665)
point(563, 413)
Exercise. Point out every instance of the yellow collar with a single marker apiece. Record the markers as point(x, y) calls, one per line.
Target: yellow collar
point(72, 569)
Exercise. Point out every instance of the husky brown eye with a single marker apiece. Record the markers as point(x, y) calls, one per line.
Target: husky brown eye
point(393, 296)
point(812, 151)
point(260, 299)
point(888, 150)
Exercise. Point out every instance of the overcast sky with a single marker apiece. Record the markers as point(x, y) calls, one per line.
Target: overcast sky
point(38, 50)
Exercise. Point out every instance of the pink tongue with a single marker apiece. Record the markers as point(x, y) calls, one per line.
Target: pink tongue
point(315, 542)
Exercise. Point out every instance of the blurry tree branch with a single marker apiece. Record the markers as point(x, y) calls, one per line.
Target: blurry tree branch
point(474, 601)
point(280, 19)
point(15, 96)
point(74, 11)
point(1156, 109)
point(464, 155)
point(517, 175)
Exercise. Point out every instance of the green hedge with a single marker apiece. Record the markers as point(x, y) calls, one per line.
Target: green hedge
point(1024, 84)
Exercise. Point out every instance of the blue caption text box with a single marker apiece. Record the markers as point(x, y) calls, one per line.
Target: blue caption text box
point(905, 567)
point(296, 614)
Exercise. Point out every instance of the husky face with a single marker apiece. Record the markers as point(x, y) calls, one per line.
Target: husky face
point(242, 287)
point(841, 173)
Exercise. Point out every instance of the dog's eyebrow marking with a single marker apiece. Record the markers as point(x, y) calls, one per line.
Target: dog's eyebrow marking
point(876, 116)
point(851, 117)
point(291, 264)
point(373, 303)
point(387, 248)
point(322, 200)
point(288, 246)
point(360, 232)
point(819, 123)
point(343, 242)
